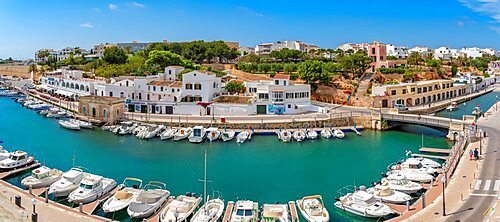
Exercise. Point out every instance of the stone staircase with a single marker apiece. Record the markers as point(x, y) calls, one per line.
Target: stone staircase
point(364, 83)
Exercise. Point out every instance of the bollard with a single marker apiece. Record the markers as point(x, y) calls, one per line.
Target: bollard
point(408, 205)
point(423, 200)
point(18, 200)
point(31, 190)
point(47, 195)
point(80, 207)
point(34, 217)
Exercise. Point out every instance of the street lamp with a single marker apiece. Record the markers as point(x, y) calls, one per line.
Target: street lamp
point(33, 201)
point(176, 215)
point(443, 180)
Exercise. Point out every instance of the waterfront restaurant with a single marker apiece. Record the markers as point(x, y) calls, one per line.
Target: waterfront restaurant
point(415, 94)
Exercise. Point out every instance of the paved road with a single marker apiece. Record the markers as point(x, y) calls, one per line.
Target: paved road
point(486, 189)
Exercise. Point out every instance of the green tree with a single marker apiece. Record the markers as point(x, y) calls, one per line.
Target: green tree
point(312, 72)
point(454, 69)
point(115, 55)
point(157, 60)
point(235, 87)
point(414, 59)
point(264, 67)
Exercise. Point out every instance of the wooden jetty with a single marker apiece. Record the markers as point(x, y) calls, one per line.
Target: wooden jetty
point(434, 150)
point(38, 191)
point(92, 206)
point(293, 211)
point(228, 212)
point(8, 173)
point(431, 156)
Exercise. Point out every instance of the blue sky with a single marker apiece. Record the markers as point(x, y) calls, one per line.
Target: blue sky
point(27, 25)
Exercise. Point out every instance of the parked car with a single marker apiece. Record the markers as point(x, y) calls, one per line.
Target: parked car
point(401, 107)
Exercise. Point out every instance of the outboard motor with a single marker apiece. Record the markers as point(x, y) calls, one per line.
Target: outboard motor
point(362, 188)
point(188, 194)
point(194, 195)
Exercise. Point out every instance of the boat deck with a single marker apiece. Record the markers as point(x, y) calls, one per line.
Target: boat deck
point(293, 211)
point(227, 213)
point(431, 156)
point(156, 216)
point(92, 206)
point(434, 150)
point(8, 173)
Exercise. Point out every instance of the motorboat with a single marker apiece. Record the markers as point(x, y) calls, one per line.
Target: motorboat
point(424, 161)
point(125, 127)
point(122, 198)
point(227, 135)
point(70, 124)
point(180, 208)
point(411, 174)
point(108, 127)
point(299, 135)
point(414, 164)
point(338, 133)
point(47, 111)
point(311, 134)
point(151, 198)
point(155, 132)
point(384, 193)
point(198, 134)
point(400, 183)
point(275, 212)
point(211, 211)
point(56, 114)
point(168, 133)
point(285, 136)
point(245, 211)
point(182, 133)
point(242, 136)
point(452, 107)
point(16, 159)
point(326, 133)
point(41, 177)
point(363, 204)
point(91, 188)
point(29, 102)
point(213, 134)
point(139, 129)
point(85, 124)
point(4, 154)
point(313, 209)
point(69, 181)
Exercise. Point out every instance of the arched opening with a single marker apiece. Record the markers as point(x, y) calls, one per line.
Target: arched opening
point(429, 99)
point(417, 101)
point(433, 97)
point(105, 114)
point(82, 87)
point(94, 112)
point(84, 110)
point(409, 102)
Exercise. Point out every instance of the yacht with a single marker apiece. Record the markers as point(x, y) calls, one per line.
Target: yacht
point(245, 211)
point(70, 124)
point(16, 159)
point(91, 188)
point(56, 114)
point(326, 133)
point(299, 135)
point(180, 208)
point(285, 136)
point(243, 136)
point(411, 174)
point(41, 177)
point(452, 107)
point(400, 183)
point(384, 193)
point(338, 133)
point(424, 161)
point(227, 135)
point(213, 134)
point(122, 198)
point(182, 133)
point(414, 164)
point(312, 134)
point(275, 212)
point(363, 204)
point(69, 181)
point(198, 134)
point(313, 209)
point(211, 211)
point(151, 198)
point(168, 134)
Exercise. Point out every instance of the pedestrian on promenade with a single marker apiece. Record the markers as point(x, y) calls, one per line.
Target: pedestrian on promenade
point(471, 153)
point(476, 154)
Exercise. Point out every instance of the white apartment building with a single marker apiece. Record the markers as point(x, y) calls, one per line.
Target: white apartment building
point(354, 47)
point(443, 53)
point(266, 48)
point(399, 52)
point(62, 54)
point(200, 86)
point(422, 50)
point(245, 50)
point(473, 52)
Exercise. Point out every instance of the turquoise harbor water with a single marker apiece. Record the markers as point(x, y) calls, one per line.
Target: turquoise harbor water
point(485, 101)
point(263, 170)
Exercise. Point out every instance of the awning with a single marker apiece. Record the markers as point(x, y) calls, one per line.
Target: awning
point(64, 93)
point(44, 87)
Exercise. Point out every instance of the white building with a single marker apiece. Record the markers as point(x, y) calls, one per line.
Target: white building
point(443, 53)
point(59, 55)
point(200, 86)
point(397, 51)
point(245, 50)
point(266, 48)
point(422, 50)
point(473, 52)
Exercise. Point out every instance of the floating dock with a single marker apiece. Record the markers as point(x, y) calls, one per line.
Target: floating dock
point(229, 210)
point(434, 150)
point(92, 206)
point(293, 211)
point(431, 156)
point(8, 173)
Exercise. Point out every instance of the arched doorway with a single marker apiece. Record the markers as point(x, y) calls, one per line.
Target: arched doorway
point(409, 102)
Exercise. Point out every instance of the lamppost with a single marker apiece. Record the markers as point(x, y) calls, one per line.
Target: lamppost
point(33, 201)
point(443, 180)
point(176, 215)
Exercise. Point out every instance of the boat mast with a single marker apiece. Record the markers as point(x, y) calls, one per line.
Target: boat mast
point(205, 178)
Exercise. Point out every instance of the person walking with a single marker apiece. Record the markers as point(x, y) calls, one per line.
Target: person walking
point(471, 153)
point(476, 154)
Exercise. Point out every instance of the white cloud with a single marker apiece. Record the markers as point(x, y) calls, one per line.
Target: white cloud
point(490, 8)
point(136, 5)
point(112, 6)
point(249, 12)
point(87, 25)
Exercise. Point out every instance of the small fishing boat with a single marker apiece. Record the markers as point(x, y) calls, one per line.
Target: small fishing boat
point(151, 198)
point(41, 177)
point(242, 136)
point(285, 136)
point(70, 124)
point(338, 133)
point(326, 133)
point(245, 211)
point(122, 198)
point(383, 192)
point(154, 132)
point(168, 133)
point(311, 134)
point(313, 209)
point(85, 124)
point(299, 135)
point(180, 208)
point(411, 174)
point(275, 212)
point(125, 127)
point(452, 107)
point(213, 134)
point(16, 159)
point(198, 135)
point(211, 211)
point(91, 188)
point(182, 133)
point(400, 183)
point(69, 181)
point(363, 204)
point(139, 129)
point(227, 135)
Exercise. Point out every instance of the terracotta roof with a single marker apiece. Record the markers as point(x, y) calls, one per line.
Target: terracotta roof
point(281, 76)
point(165, 83)
point(177, 84)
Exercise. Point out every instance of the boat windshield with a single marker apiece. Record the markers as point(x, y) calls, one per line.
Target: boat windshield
point(86, 186)
point(244, 212)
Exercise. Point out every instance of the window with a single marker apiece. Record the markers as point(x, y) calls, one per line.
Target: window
point(197, 86)
point(173, 90)
point(425, 89)
point(94, 112)
point(263, 96)
point(419, 90)
point(159, 97)
point(148, 96)
point(404, 91)
point(140, 96)
point(276, 82)
point(161, 88)
point(413, 89)
point(122, 95)
point(393, 92)
point(430, 88)
point(289, 106)
point(215, 85)
point(154, 88)
point(104, 113)
point(111, 94)
point(289, 95)
point(126, 82)
point(189, 86)
point(373, 50)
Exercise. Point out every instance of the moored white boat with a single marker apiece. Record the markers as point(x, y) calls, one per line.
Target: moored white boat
point(180, 208)
point(299, 135)
point(227, 135)
point(16, 159)
point(211, 211)
point(242, 136)
point(151, 198)
point(213, 134)
point(400, 183)
point(69, 181)
point(425, 161)
point(70, 124)
point(452, 107)
point(411, 174)
point(85, 124)
point(41, 177)
point(384, 193)
point(311, 134)
point(414, 164)
point(168, 133)
point(91, 188)
point(285, 136)
point(326, 133)
point(198, 135)
point(313, 209)
point(363, 204)
point(275, 212)
point(182, 133)
point(122, 198)
point(338, 133)
point(245, 211)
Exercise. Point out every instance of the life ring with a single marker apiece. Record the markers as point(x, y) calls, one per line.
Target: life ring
point(37, 171)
